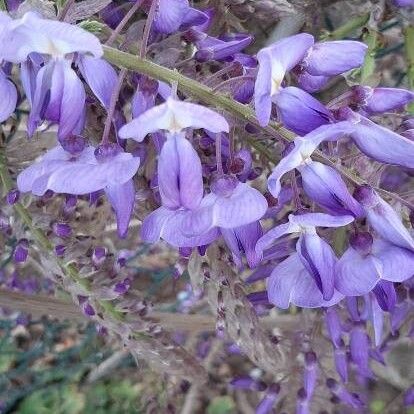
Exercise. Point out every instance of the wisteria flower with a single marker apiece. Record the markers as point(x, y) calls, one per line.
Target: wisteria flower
point(321, 183)
point(53, 89)
point(307, 277)
point(83, 170)
point(383, 218)
point(367, 261)
point(172, 15)
point(274, 62)
point(180, 178)
point(315, 64)
point(380, 100)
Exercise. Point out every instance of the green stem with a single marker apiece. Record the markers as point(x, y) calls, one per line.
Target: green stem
point(368, 68)
point(349, 27)
point(409, 52)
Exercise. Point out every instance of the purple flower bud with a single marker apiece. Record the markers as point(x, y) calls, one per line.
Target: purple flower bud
point(302, 405)
point(333, 324)
point(88, 310)
point(258, 298)
point(265, 406)
point(123, 287)
point(98, 255)
point(62, 230)
point(404, 3)
point(60, 250)
point(341, 361)
point(70, 203)
point(248, 383)
point(311, 373)
point(359, 346)
point(73, 144)
point(352, 306)
point(385, 294)
point(409, 396)
point(21, 251)
point(343, 394)
point(13, 196)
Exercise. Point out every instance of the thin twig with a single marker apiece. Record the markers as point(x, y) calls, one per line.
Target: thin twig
point(123, 22)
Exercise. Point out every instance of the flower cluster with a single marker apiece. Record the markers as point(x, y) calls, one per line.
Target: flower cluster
point(323, 238)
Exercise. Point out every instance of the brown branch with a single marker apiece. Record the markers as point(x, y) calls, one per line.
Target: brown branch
point(41, 305)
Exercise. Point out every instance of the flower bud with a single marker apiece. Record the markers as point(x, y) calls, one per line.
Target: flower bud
point(21, 251)
point(62, 230)
point(13, 196)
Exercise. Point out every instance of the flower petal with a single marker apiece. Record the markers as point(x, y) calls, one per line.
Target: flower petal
point(173, 116)
point(357, 275)
point(320, 220)
point(122, 199)
point(269, 237)
point(72, 104)
point(244, 206)
point(180, 177)
point(243, 240)
point(299, 111)
point(319, 260)
point(263, 89)
point(81, 176)
point(387, 99)
point(8, 95)
point(170, 15)
point(325, 186)
point(311, 83)
point(382, 144)
point(100, 76)
point(398, 263)
point(387, 223)
point(31, 34)
point(335, 57)
point(291, 283)
point(166, 224)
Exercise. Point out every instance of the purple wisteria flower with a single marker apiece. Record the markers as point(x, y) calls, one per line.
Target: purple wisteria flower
point(383, 218)
point(380, 100)
point(180, 180)
point(172, 15)
point(79, 169)
point(367, 261)
point(307, 277)
point(321, 183)
point(46, 50)
point(314, 64)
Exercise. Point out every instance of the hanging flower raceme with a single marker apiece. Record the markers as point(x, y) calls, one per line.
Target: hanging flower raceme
point(307, 277)
point(46, 50)
point(321, 183)
point(298, 110)
point(79, 169)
